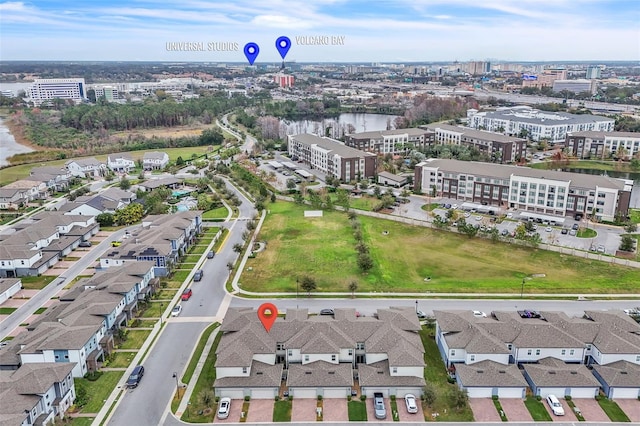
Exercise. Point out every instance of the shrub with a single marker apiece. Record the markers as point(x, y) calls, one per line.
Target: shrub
point(538, 398)
point(363, 397)
point(567, 397)
point(393, 397)
point(247, 398)
point(277, 398)
point(349, 397)
point(494, 397)
point(290, 397)
point(319, 397)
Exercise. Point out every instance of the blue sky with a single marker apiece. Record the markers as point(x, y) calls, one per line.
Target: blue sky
point(374, 30)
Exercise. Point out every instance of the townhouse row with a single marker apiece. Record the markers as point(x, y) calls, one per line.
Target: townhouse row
point(549, 352)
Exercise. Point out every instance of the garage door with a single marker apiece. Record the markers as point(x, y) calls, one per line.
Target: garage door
point(401, 392)
point(269, 393)
point(559, 392)
point(231, 393)
point(369, 391)
point(625, 393)
point(303, 392)
point(511, 393)
point(479, 392)
point(336, 392)
point(583, 392)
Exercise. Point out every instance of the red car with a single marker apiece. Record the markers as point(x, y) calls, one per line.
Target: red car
point(186, 295)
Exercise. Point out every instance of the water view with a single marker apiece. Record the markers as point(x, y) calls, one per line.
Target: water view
point(9, 145)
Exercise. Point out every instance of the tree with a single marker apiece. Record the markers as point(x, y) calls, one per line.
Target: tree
point(237, 247)
point(179, 161)
point(308, 284)
point(203, 202)
point(626, 244)
point(429, 393)
point(210, 137)
point(365, 262)
point(125, 184)
point(353, 286)
point(291, 184)
point(230, 266)
point(631, 227)
point(129, 214)
point(105, 219)
point(458, 397)
point(206, 397)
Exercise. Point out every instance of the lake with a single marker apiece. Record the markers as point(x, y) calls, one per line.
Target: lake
point(9, 145)
point(634, 176)
point(362, 122)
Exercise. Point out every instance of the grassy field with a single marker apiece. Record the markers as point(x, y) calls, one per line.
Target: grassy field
point(297, 246)
point(11, 174)
point(537, 410)
point(282, 411)
point(135, 339)
point(357, 411)
point(435, 373)
point(219, 213)
point(121, 359)
point(36, 283)
point(81, 421)
point(586, 233)
point(99, 390)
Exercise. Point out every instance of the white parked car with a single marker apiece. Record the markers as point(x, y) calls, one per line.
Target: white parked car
point(555, 405)
point(176, 310)
point(410, 402)
point(479, 314)
point(224, 408)
point(509, 215)
point(478, 217)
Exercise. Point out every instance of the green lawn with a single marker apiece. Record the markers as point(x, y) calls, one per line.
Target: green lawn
point(154, 309)
point(613, 410)
point(537, 410)
point(586, 233)
point(198, 352)
point(357, 411)
point(180, 275)
point(99, 390)
point(199, 249)
point(36, 283)
point(634, 214)
point(192, 258)
point(135, 339)
point(80, 421)
point(166, 294)
point(406, 255)
point(205, 382)
point(435, 373)
point(121, 359)
point(282, 411)
point(7, 311)
point(393, 404)
point(40, 310)
point(219, 213)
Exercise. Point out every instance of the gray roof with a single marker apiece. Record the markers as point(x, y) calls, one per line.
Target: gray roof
point(476, 134)
point(378, 134)
point(320, 373)
point(378, 374)
point(505, 171)
point(85, 162)
point(621, 374)
point(261, 375)
point(336, 147)
point(7, 283)
point(156, 183)
point(533, 116)
point(594, 134)
point(154, 155)
point(391, 176)
point(552, 372)
point(490, 374)
point(618, 333)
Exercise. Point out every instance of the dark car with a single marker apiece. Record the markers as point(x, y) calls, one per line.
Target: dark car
point(575, 227)
point(564, 231)
point(326, 312)
point(135, 377)
point(186, 294)
point(198, 275)
point(211, 254)
point(85, 244)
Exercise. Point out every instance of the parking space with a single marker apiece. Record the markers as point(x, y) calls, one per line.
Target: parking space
point(569, 416)
point(371, 415)
point(484, 410)
point(515, 410)
point(405, 416)
point(591, 410)
point(234, 413)
point(631, 407)
point(303, 410)
point(260, 411)
point(335, 410)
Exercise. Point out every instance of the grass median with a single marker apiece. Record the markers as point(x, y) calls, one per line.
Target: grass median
point(414, 259)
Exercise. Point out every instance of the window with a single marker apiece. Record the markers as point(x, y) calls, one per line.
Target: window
point(306, 357)
point(290, 352)
point(472, 357)
point(571, 351)
point(453, 352)
point(394, 370)
point(350, 352)
point(244, 370)
point(333, 357)
point(564, 351)
point(529, 352)
point(537, 351)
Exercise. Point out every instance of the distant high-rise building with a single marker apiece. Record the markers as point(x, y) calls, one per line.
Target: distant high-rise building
point(593, 71)
point(45, 90)
point(575, 86)
point(283, 80)
point(109, 93)
point(545, 79)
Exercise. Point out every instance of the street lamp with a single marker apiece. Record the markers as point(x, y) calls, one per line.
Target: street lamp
point(175, 376)
point(416, 306)
point(522, 289)
point(161, 306)
point(297, 287)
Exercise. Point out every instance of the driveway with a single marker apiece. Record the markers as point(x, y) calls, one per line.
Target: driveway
point(484, 410)
point(405, 416)
point(631, 408)
point(334, 410)
point(569, 416)
point(515, 410)
point(591, 410)
point(371, 415)
point(261, 411)
point(234, 413)
point(304, 410)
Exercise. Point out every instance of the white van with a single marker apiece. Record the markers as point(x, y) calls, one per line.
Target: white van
point(555, 405)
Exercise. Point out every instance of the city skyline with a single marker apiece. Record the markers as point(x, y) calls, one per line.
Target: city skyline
point(322, 30)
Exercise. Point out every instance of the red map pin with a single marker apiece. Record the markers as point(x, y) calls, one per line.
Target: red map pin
point(267, 312)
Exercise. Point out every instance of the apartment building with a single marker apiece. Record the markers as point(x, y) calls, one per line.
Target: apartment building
point(524, 121)
point(592, 144)
point(545, 79)
point(575, 86)
point(395, 142)
point(496, 146)
point(332, 157)
point(45, 90)
point(539, 191)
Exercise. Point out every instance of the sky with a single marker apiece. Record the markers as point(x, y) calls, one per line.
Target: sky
point(321, 30)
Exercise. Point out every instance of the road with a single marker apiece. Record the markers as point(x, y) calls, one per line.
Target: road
point(25, 311)
point(146, 404)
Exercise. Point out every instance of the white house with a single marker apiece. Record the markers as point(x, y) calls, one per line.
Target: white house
point(619, 380)
point(486, 379)
point(155, 160)
point(84, 167)
point(122, 163)
point(551, 376)
point(9, 287)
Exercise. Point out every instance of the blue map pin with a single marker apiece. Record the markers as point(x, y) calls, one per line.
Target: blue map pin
point(283, 44)
point(251, 51)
